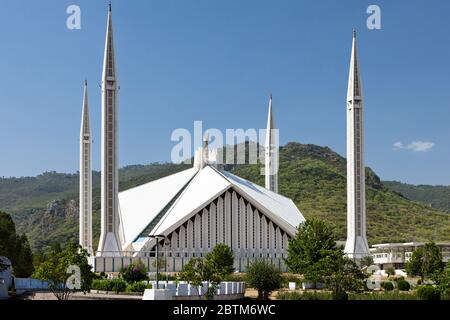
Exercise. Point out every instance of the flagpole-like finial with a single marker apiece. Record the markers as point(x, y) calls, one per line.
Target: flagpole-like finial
point(85, 82)
point(270, 96)
point(354, 33)
point(110, 7)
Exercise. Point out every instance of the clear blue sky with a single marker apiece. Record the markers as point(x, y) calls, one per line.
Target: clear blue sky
point(217, 61)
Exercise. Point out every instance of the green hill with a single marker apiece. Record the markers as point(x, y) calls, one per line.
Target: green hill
point(437, 197)
point(314, 177)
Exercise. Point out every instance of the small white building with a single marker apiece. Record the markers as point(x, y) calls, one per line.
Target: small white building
point(395, 255)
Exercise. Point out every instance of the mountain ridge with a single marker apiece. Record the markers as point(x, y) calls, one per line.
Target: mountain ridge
point(314, 177)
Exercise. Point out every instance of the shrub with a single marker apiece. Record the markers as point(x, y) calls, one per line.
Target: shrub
point(222, 259)
point(138, 287)
point(428, 293)
point(445, 295)
point(115, 285)
point(291, 278)
point(387, 286)
point(283, 295)
point(214, 268)
point(403, 285)
point(390, 271)
point(384, 295)
point(264, 277)
point(118, 285)
point(168, 276)
point(236, 277)
point(101, 284)
point(339, 295)
point(134, 272)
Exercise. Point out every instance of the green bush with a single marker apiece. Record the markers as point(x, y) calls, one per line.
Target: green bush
point(403, 285)
point(118, 285)
point(428, 293)
point(134, 272)
point(101, 284)
point(384, 295)
point(445, 295)
point(289, 277)
point(168, 276)
point(390, 271)
point(264, 277)
point(138, 287)
point(391, 295)
point(236, 277)
point(115, 285)
point(283, 295)
point(387, 286)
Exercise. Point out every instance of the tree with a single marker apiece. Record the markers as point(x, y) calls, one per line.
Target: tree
point(3, 265)
point(366, 261)
point(195, 271)
point(221, 259)
point(390, 271)
point(426, 262)
point(23, 267)
point(134, 272)
point(264, 277)
point(55, 270)
point(213, 268)
point(15, 247)
point(443, 282)
point(339, 273)
point(314, 239)
point(314, 253)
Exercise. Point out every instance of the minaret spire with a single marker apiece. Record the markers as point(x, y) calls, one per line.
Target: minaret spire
point(109, 243)
point(271, 152)
point(205, 150)
point(356, 245)
point(85, 213)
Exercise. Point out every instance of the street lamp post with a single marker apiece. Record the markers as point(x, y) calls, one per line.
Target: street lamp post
point(166, 245)
point(157, 238)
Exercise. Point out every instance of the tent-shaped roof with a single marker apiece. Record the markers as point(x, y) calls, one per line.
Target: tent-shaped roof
point(140, 205)
point(166, 203)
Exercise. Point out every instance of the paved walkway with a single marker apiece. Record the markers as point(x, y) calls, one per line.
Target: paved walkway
point(81, 296)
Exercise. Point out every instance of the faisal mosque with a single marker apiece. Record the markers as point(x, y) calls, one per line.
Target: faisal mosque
point(187, 213)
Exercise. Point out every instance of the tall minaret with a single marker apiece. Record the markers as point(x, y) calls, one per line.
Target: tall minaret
point(205, 150)
point(109, 239)
point(356, 245)
point(271, 152)
point(85, 177)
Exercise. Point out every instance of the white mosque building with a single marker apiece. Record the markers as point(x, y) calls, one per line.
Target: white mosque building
point(190, 211)
point(186, 214)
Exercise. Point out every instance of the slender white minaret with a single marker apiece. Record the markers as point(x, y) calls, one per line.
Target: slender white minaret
point(271, 152)
point(109, 238)
point(356, 245)
point(85, 177)
point(205, 150)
